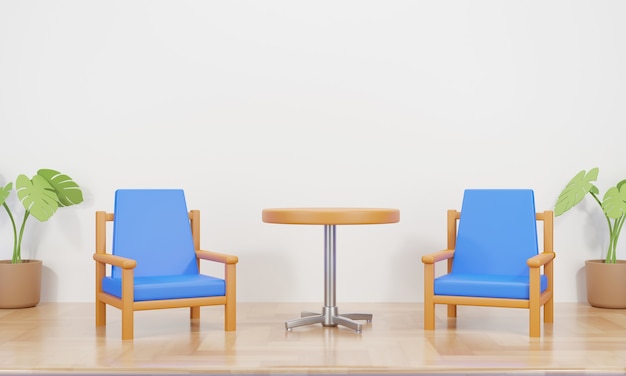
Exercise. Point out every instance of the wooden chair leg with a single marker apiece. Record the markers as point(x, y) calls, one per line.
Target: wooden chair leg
point(128, 298)
point(230, 317)
point(533, 303)
point(230, 308)
point(548, 311)
point(451, 310)
point(127, 324)
point(101, 313)
point(535, 322)
point(429, 291)
point(194, 312)
point(429, 315)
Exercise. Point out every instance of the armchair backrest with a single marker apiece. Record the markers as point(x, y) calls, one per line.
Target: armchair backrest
point(497, 232)
point(152, 226)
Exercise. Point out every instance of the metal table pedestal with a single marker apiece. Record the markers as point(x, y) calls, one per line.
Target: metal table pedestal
point(330, 314)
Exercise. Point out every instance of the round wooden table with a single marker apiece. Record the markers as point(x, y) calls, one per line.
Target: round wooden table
point(330, 218)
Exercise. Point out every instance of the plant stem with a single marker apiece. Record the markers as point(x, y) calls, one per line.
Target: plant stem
point(14, 258)
point(614, 230)
point(608, 221)
point(611, 256)
point(19, 240)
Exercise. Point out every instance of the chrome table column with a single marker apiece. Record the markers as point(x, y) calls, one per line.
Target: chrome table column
point(330, 315)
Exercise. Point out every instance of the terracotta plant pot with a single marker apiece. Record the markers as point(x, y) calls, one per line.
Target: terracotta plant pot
point(20, 284)
point(606, 283)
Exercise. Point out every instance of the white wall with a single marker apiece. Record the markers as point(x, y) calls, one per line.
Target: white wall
point(255, 104)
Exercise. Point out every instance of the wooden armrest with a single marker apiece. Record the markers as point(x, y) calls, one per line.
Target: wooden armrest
point(540, 259)
point(438, 256)
point(217, 257)
point(119, 261)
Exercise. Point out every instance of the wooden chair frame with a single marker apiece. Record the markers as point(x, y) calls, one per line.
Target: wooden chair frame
point(127, 304)
point(534, 303)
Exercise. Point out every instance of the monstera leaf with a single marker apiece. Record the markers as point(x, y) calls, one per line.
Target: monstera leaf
point(41, 196)
point(613, 205)
point(614, 201)
point(67, 191)
point(575, 191)
point(4, 192)
point(37, 196)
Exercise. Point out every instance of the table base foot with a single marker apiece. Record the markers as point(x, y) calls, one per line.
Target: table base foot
point(359, 316)
point(330, 317)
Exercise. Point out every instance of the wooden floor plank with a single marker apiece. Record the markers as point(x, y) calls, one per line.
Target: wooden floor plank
point(62, 338)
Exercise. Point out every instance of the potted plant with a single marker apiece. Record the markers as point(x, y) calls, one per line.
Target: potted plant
point(606, 278)
point(41, 196)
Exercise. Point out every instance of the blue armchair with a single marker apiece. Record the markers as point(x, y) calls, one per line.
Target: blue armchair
point(493, 257)
point(155, 259)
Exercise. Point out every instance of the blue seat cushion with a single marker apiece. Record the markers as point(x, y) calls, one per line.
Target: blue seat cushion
point(169, 287)
point(485, 285)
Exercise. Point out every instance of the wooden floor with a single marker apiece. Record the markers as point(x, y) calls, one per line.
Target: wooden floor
point(60, 338)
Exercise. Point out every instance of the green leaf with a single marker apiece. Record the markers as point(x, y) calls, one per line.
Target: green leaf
point(66, 189)
point(575, 191)
point(4, 192)
point(614, 202)
point(37, 196)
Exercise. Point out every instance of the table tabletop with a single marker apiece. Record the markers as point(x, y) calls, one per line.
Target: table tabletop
point(331, 216)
